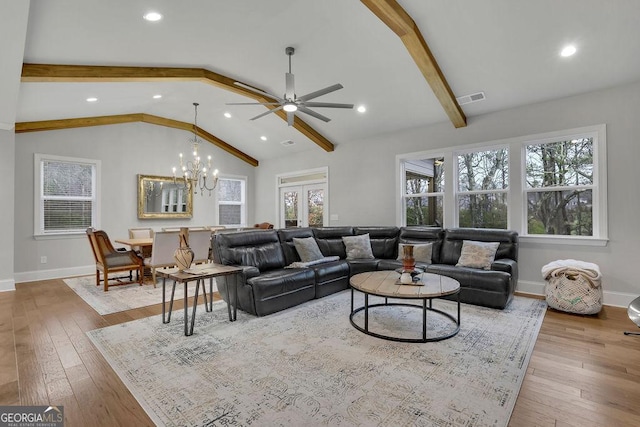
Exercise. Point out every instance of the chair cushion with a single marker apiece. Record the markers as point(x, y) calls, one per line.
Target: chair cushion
point(121, 259)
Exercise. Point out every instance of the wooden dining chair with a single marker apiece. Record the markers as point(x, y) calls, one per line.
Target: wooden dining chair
point(109, 260)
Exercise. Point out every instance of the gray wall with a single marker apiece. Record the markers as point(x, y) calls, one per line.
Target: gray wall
point(362, 177)
point(7, 190)
point(125, 151)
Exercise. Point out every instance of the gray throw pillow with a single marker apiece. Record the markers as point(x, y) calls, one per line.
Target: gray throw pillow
point(477, 254)
point(307, 249)
point(358, 247)
point(421, 252)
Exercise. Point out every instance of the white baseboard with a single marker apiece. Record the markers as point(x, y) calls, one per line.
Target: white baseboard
point(7, 285)
point(58, 273)
point(612, 298)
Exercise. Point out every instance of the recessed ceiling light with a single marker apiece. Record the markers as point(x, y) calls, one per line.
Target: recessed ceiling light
point(152, 16)
point(361, 109)
point(227, 115)
point(264, 138)
point(157, 96)
point(92, 99)
point(568, 50)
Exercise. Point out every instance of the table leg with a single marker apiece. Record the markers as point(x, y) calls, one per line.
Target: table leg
point(366, 312)
point(210, 293)
point(226, 282)
point(351, 300)
point(204, 294)
point(164, 280)
point(235, 304)
point(173, 293)
point(424, 318)
point(195, 305)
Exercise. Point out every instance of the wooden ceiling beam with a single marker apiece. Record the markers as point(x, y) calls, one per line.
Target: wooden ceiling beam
point(399, 21)
point(94, 73)
point(47, 125)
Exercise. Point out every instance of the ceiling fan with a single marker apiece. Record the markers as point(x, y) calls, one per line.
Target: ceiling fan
point(292, 103)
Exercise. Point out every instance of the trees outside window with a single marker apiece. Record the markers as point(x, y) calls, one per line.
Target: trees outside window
point(483, 182)
point(424, 188)
point(559, 187)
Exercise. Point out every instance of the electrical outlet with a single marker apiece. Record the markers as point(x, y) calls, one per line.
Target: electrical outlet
point(43, 260)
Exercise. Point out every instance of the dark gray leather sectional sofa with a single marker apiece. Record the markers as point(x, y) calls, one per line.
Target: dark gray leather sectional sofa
point(266, 286)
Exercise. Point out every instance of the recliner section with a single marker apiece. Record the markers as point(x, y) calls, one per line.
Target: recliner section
point(266, 286)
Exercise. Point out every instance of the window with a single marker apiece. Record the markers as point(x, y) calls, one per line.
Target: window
point(423, 191)
point(483, 182)
point(555, 193)
point(559, 186)
point(232, 202)
point(66, 197)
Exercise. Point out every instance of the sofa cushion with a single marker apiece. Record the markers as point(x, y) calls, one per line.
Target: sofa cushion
point(384, 240)
point(419, 235)
point(307, 249)
point(358, 247)
point(275, 283)
point(477, 254)
point(261, 249)
point(330, 240)
point(454, 237)
point(421, 252)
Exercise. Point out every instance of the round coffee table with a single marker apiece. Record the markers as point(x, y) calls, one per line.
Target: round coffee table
point(387, 284)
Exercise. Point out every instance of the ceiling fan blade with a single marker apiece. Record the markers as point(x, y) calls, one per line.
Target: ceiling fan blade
point(327, 105)
point(253, 89)
point(290, 118)
point(313, 114)
point(320, 92)
point(267, 112)
point(252, 103)
point(290, 91)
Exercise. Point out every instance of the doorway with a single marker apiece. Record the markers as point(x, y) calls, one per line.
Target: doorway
point(303, 199)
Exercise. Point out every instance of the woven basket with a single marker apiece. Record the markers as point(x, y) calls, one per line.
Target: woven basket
point(573, 294)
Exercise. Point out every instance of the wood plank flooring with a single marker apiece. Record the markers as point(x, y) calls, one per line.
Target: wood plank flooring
point(583, 371)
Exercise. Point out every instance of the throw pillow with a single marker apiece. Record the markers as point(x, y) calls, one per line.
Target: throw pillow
point(358, 247)
point(477, 254)
point(421, 252)
point(307, 249)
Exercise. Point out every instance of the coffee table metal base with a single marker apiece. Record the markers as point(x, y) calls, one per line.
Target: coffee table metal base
point(424, 308)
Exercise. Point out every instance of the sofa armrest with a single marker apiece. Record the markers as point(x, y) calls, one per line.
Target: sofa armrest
point(508, 266)
point(249, 271)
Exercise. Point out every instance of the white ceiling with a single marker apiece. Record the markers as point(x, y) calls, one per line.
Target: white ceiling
point(506, 48)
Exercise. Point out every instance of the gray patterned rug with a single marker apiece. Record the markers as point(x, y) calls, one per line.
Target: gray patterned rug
point(308, 366)
point(123, 297)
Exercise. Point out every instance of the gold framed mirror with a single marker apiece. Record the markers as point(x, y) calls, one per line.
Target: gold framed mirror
point(161, 197)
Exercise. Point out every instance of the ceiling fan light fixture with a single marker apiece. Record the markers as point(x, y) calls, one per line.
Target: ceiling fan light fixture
point(290, 107)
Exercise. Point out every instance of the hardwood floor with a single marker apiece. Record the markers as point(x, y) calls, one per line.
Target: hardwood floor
point(583, 371)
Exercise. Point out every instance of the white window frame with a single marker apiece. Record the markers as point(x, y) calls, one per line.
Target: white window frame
point(456, 184)
point(403, 188)
point(516, 194)
point(598, 188)
point(38, 224)
point(242, 203)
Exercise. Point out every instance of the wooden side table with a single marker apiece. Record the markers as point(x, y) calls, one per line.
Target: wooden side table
point(198, 274)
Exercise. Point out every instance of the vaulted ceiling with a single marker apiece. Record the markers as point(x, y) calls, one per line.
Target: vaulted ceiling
point(405, 61)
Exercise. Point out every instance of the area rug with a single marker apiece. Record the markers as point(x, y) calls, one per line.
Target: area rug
point(308, 366)
point(123, 297)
